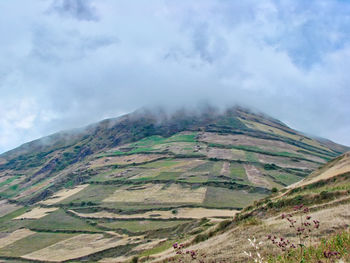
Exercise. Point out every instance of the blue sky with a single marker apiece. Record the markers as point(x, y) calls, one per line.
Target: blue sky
point(68, 63)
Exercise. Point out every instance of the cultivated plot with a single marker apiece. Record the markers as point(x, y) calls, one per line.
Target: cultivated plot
point(6, 207)
point(61, 195)
point(37, 212)
point(9, 238)
point(72, 248)
point(158, 193)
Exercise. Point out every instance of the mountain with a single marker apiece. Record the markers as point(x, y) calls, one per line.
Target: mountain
point(138, 182)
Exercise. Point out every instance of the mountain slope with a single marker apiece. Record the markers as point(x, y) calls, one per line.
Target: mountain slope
point(125, 184)
point(327, 200)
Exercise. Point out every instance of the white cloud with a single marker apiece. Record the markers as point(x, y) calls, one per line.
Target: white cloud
point(83, 61)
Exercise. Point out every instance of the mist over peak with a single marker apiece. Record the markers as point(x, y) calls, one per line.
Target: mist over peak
point(72, 63)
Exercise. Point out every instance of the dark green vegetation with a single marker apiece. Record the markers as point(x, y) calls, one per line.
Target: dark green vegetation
point(145, 163)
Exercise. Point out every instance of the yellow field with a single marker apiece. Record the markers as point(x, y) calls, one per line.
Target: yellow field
point(185, 213)
point(36, 213)
point(14, 236)
point(63, 194)
point(158, 193)
point(77, 246)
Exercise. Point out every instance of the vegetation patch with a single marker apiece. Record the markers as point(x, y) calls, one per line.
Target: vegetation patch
point(158, 193)
point(61, 221)
point(223, 197)
point(143, 225)
point(32, 243)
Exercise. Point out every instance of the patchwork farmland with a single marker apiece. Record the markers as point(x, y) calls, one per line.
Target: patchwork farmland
point(124, 189)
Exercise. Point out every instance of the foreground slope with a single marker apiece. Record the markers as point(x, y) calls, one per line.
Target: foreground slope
point(328, 201)
point(132, 185)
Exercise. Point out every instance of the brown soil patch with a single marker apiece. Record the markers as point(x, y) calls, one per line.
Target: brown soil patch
point(37, 212)
point(286, 162)
point(8, 239)
point(230, 139)
point(77, 246)
point(255, 176)
point(34, 188)
point(126, 159)
point(63, 194)
point(225, 154)
point(158, 193)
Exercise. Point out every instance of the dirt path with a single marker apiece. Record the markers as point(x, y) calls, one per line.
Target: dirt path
point(225, 170)
point(255, 176)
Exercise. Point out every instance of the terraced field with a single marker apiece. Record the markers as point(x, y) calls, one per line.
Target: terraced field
point(130, 187)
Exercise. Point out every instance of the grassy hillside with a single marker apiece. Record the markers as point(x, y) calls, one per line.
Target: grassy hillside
point(133, 185)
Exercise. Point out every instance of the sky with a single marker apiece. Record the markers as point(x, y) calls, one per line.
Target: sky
point(68, 63)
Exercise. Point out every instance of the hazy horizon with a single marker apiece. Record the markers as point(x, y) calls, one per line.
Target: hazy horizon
point(69, 63)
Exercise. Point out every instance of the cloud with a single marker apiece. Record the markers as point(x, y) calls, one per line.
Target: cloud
point(78, 9)
point(287, 58)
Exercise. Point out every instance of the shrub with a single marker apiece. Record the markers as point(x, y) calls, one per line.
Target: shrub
point(223, 225)
point(274, 190)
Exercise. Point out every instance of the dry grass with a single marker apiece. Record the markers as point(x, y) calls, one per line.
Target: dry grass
point(191, 213)
point(36, 213)
point(225, 170)
point(158, 193)
point(230, 245)
point(63, 194)
point(339, 167)
point(77, 246)
point(7, 239)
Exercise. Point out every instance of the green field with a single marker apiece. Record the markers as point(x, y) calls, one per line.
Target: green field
point(146, 144)
point(284, 178)
point(143, 225)
point(92, 193)
point(61, 221)
point(32, 243)
point(223, 197)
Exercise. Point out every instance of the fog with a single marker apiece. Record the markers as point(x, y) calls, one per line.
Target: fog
point(69, 63)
